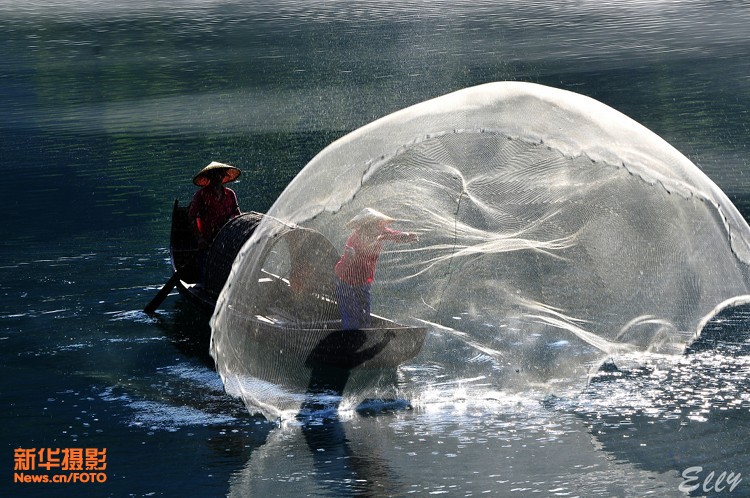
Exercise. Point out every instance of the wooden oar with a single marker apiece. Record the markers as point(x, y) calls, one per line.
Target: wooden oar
point(162, 294)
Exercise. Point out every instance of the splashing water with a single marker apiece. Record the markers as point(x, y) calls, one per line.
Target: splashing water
point(554, 232)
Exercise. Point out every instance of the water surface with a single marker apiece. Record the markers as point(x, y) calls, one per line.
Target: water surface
point(110, 109)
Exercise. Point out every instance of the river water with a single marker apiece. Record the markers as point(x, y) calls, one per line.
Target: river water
point(109, 109)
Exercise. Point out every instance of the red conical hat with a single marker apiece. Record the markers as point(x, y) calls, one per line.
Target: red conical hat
point(231, 173)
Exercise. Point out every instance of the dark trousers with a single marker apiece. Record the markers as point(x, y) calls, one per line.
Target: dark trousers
point(354, 305)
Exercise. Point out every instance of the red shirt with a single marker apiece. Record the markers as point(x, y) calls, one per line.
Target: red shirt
point(357, 264)
point(211, 212)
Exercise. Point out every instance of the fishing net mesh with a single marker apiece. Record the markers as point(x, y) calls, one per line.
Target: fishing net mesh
point(554, 232)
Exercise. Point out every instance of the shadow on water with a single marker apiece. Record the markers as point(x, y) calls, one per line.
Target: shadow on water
point(329, 378)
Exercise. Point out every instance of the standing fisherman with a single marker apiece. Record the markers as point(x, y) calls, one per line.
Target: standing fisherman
point(355, 270)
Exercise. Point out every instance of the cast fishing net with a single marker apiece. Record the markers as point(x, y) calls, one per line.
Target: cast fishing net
point(554, 232)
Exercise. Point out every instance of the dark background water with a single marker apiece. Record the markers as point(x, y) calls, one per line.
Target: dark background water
point(108, 110)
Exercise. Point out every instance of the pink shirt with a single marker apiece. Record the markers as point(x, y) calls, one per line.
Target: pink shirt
point(211, 212)
point(357, 264)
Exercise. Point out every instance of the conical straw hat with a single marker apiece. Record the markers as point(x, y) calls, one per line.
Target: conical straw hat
point(367, 216)
point(230, 173)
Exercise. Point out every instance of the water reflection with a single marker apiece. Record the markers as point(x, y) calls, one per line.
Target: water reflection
point(339, 469)
point(137, 69)
point(678, 414)
point(111, 104)
point(633, 432)
point(456, 449)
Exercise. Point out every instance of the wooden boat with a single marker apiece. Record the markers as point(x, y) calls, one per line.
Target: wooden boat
point(292, 320)
point(183, 251)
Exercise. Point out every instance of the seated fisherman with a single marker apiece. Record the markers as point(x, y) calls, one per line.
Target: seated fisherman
point(212, 206)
